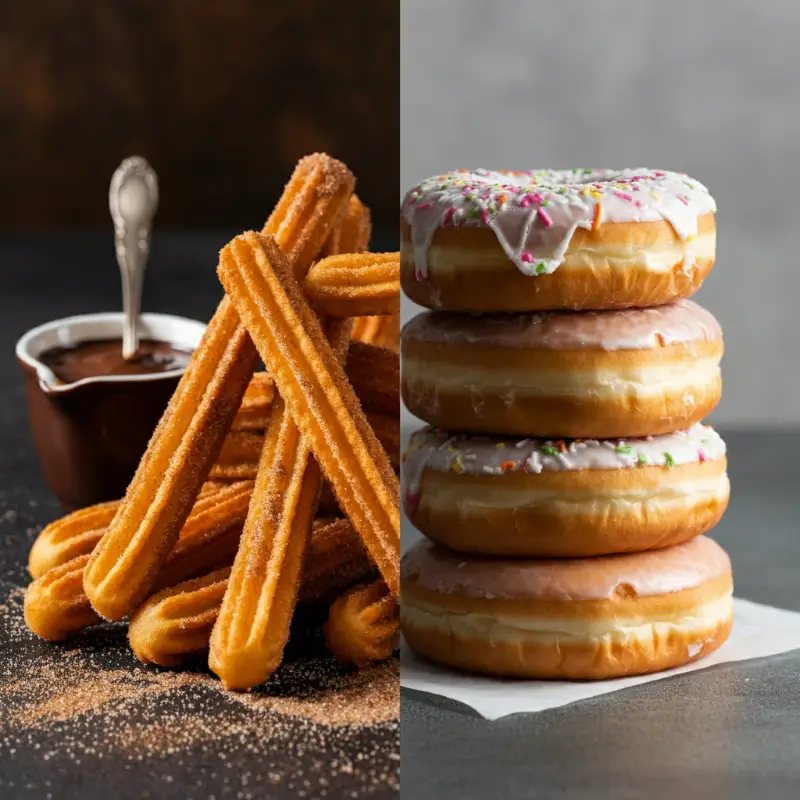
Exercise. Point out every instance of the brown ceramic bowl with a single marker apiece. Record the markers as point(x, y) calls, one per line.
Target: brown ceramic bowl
point(91, 434)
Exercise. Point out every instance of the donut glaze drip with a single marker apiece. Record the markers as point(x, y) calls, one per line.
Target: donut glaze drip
point(631, 329)
point(657, 572)
point(431, 448)
point(534, 213)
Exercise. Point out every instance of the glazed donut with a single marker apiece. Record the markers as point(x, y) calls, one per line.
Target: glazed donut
point(542, 498)
point(488, 240)
point(561, 373)
point(573, 618)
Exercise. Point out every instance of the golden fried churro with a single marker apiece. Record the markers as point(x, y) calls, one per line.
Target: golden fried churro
point(253, 414)
point(253, 626)
point(380, 331)
point(335, 559)
point(178, 621)
point(352, 232)
point(311, 204)
point(212, 486)
point(210, 536)
point(363, 625)
point(290, 340)
point(354, 285)
point(73, 535)
point(238, 459)
point(191, 432)
point(374, 373)
point(56, 605)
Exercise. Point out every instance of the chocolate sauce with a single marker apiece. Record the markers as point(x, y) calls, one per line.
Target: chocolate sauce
point(104, 357)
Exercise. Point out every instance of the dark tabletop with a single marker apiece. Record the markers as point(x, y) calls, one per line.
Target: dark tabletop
point(43, 278)
point(730, 731)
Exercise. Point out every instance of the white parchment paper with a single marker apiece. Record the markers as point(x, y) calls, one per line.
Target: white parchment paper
point(758, 631)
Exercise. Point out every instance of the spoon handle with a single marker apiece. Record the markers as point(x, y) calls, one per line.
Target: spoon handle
point(132, 199)
point(132, 258)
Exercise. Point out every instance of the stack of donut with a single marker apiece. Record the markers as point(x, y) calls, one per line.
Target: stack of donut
point(565, 480)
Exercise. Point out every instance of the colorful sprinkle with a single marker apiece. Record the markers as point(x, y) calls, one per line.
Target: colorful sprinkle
point(548, 450)
point(669, 460)
point(598, 217)
point(545, 218)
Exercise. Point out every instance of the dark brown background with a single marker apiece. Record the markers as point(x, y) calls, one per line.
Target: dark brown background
point(221, 96)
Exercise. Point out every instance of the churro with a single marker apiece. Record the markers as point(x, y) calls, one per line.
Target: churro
point(253, 413)
point(210, 536)
point(381, 331)
point(238, 459)
point(74, 535)
point(335, 559)
point(177, 621)
point(374, 373)
point(354, 285)
point(290, 340)
point(56, 605)
point(253, 626)
point(352, 231)
point(363, 625)
point(191, 432)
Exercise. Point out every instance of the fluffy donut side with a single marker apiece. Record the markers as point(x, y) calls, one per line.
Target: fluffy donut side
point(570, 513)
point(476, 628)
point(620, 265)
point(571, 393)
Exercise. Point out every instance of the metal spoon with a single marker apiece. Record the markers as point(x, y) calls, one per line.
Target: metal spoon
point(133, 200)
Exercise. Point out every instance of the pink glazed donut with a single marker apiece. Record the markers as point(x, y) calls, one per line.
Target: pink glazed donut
point(585, 618)
point(489, 240)
point(564, 498)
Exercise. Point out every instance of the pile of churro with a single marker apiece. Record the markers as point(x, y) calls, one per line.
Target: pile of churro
point(258, 490)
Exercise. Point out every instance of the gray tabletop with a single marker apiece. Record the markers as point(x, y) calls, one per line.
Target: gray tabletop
point(728, 731)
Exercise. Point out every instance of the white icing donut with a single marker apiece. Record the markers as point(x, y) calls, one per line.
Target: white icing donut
point(487, 240)
point(569, 618)
point(567, 498)
point(590, 374)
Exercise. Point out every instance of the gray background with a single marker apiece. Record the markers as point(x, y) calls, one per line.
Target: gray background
point(707, 87)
